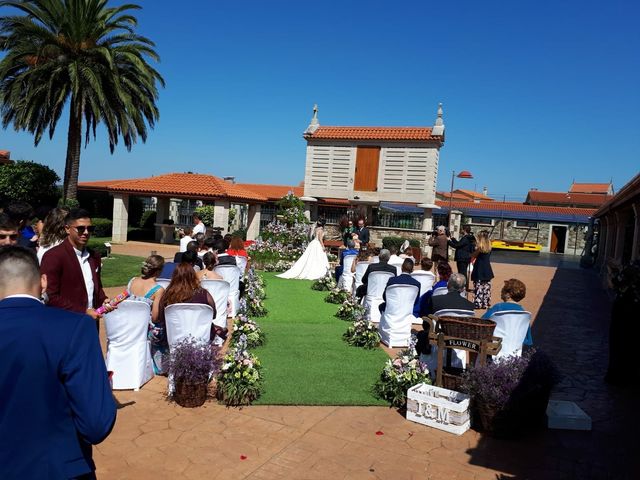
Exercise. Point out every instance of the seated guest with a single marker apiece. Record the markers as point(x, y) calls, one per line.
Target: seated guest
point(350, 250)
point(210, 242)
point(207, 273)
point(394, 259)
point(185, 238)
point(426, 265)
point(444, 272)
point(184, 288)
point(453, 299)
point(202, 248)
point(53, 231)
point(56, 400)
point(364, 255)
point(220, 247)
point(8, 231)
point(512, 293)
point(192, 246)
point(145, 288)
point(189, 257)
point(404, 278)
point(381, 266)
point(236, 247)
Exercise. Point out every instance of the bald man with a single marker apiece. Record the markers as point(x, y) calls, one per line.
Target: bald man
point(56, 400)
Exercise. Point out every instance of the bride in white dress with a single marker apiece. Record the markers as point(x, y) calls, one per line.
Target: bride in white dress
point(313, 264)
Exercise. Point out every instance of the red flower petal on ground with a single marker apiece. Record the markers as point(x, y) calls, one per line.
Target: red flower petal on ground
point(243, 457)
point(379, 433)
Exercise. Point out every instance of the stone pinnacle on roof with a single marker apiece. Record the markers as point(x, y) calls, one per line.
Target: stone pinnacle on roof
point(313, 126)
point(438, 127)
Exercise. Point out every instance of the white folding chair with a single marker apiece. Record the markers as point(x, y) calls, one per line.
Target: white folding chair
point(376, 284)
point(440, 291)
point(241, 261)
point(163, 282)
point(361, 268)
point(396, 320)
point(188, 319)
point(346, 279)
point(426, 279)
point(128, 354)
point(511, 326)
point(230, 274)
point(219, 290)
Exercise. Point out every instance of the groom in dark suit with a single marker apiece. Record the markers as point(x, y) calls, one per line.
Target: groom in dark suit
point(56, 400)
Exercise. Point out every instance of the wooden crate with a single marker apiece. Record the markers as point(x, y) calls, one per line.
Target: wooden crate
point(439, 408)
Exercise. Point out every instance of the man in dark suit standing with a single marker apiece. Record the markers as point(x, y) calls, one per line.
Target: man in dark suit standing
point(381, 266)
point(56, 400)
point(404, 278)
point(73, 270)
point(464, 248)
point(363, 233)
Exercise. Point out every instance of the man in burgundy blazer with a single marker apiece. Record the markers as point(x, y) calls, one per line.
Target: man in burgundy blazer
point(67, 280)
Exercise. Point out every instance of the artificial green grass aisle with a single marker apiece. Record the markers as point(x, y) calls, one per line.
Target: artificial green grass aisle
point(305, 361)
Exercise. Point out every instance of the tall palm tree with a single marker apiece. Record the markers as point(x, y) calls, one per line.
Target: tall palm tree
point(82, 53)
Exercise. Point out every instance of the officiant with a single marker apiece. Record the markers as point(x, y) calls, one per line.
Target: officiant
point(363, 233)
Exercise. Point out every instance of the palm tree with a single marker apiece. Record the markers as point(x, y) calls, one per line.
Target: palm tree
point(82, 53)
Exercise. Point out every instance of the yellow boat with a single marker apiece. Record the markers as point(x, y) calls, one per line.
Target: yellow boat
point(515, 245)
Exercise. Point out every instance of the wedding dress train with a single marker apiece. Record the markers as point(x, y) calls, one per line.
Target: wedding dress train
point(312, 265)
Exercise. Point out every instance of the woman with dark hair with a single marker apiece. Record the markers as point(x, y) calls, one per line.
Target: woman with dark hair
point(53, 231)
point(313, 264)
point(145, 288)
point(207, 273)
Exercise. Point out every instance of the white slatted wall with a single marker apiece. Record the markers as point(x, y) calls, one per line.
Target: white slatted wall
point(409, 171)
point(330, 167)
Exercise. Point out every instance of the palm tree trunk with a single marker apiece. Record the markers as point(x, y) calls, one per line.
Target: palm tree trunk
point(72, 164)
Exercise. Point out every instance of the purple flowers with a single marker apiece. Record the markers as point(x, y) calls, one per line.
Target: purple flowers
point(192, 361)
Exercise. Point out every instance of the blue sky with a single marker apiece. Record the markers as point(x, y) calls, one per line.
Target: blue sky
point(535, 94)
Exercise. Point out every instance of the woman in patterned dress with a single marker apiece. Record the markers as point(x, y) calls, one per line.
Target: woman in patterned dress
point(482, 271)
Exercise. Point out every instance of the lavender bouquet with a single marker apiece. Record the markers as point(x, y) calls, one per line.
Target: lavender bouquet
point(192, 361)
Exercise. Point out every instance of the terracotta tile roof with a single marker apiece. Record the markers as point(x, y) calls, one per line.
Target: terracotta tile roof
point(474, 195)
point(334, 201)
point(578, 199)
point(515, 207)
point(273, 192)
point(5, 156)
point(627, 194)
point(413, 134)
point(464, 195)
point(192, 185)
point(589, 188)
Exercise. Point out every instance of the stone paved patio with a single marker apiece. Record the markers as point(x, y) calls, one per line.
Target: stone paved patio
point(155, 439)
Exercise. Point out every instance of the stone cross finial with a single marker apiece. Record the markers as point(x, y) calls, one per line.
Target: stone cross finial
point(439, 121)
point(438, 127)
point(313, 126)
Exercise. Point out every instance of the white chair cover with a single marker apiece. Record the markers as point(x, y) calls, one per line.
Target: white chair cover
point(241, 261)
point(426, 279)
point(361, 268)
point(375, 259)
point(511, 326)
point(163, 282)
point(188, 319)
point(219, 290)
point(396, 320)
point(376, 283)
point(230, 274)
point(346, 279)
point(440, 291)
point(459, 357)
point(128, 355)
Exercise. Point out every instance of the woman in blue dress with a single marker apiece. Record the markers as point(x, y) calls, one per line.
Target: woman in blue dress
point(512, 293)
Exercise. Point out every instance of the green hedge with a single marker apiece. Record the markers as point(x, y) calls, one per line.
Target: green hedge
point(104, 227)
point(396, 242)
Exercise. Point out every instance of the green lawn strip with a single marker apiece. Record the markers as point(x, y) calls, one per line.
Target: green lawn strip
point(305, 361)
point(117, 270)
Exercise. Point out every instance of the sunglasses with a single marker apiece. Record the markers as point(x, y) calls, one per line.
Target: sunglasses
point(10, 236)
point(82, 229)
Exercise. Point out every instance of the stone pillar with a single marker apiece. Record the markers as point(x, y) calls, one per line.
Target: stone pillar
point(120, 217)
point(253, 222)
point(635, 249)
point(221, 215)
point(621, 221)
point(162, 213)
point(174, 210)
point(310, 207)
point(427, 220)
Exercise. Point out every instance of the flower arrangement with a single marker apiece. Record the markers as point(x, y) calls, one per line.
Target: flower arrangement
point(399, 375)
point(327, 282)
point(240, 379)
point(510, 393)
point(362, 333)
point(331, 257)
point(350, 310)
point(251, 303)
point(337, 295)
point(251, 330)
point(279, 266)
point(192, 363)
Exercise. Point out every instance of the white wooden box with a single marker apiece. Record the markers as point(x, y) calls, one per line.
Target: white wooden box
point(562, 415)
point(439, 408)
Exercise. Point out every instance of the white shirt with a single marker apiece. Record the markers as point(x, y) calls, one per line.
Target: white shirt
point(83, 259)
point(183, 242)
point(43, 250)
point(22, 295)
point(199, 228)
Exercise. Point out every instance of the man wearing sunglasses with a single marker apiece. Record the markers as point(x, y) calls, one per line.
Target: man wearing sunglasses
point(73, 270)
point(8, 231)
